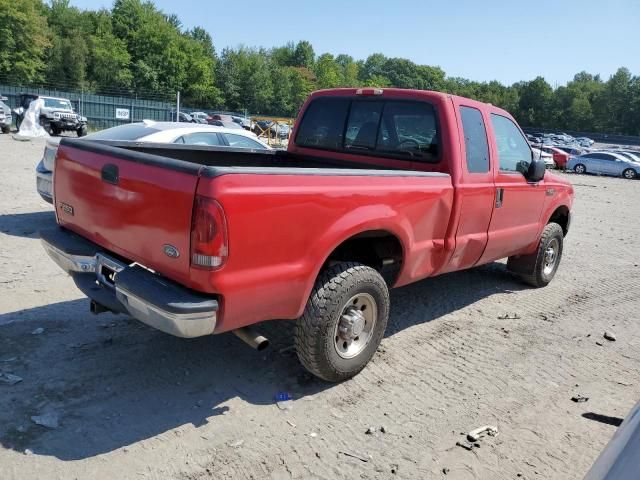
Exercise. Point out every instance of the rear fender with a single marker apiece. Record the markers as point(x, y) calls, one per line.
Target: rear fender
point(360, 220)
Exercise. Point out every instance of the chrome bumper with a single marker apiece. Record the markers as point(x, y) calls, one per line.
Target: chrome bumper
point(169, 308)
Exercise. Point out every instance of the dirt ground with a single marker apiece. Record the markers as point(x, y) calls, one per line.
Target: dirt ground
point(462, 350)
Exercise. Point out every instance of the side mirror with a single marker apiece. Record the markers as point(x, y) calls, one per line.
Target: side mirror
point(536, 170)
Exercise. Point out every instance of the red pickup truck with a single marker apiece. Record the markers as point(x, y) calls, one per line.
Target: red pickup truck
point(378, 188)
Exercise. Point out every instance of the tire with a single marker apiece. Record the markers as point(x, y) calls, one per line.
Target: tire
point(6, 129)
point(55, 131)
point(545, 267)
point(580, 168)
point(629, 174)
point(329, 336)
point(82, 131)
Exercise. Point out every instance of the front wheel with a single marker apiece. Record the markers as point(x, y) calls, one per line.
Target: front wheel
point(580, 168)
point(629, 173)
point(547, 258)
point(6, 129)
point(343, 322)
point(82, 131)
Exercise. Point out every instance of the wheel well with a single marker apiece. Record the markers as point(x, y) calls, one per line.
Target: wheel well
point(561, 217)
point(377, 249)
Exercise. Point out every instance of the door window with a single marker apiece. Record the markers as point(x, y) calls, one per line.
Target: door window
point(475, 140)
point(514, 153)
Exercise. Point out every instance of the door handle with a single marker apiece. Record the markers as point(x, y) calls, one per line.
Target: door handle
point(499, 197)
point(109, 174)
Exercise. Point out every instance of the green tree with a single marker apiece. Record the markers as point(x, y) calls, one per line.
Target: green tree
point(24, 40)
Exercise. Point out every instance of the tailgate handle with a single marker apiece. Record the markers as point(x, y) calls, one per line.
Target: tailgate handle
point(110, 173)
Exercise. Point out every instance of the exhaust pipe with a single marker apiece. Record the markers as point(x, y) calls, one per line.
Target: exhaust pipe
point(252, 338)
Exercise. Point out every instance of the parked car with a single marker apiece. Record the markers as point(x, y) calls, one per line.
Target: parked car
point(584, 142)
point(629, 155)
point(56, 115)
point(546, 157)
point(201, 117)
point(560, 157)
point(222, 117)
point(242, 121)
point(232, 125)
point(570, 150)
point(149, 132)
point(184, 117)
point(604, 163)
point(219, 240)
point(5, 116)
point(619, 459)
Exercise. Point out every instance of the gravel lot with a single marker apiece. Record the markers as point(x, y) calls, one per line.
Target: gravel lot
point(462, 350)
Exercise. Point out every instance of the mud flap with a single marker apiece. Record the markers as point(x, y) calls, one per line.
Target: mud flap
point(523, 264)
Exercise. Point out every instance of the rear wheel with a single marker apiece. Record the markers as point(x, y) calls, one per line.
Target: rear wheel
point(580, 168)
point(343, 322)
point(6, 129)
point(629, 173)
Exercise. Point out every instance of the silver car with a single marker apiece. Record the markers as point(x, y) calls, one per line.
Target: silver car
point(605, 163)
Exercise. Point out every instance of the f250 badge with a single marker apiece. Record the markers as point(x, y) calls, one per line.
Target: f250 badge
point(66, 208)
point(171, 251)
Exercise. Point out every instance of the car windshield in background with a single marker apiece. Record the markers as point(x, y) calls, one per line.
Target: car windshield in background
point(58, 104)
point(128, 132)
point(403, 129)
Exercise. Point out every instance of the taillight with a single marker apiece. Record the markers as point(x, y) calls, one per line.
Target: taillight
point(209, 247)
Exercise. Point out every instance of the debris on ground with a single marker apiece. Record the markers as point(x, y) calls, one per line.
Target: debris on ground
point(383, 429)
point(360, 457)
point(478, 433)
point(609, 336)
point(599, 344)
point(9, 378)
point(38, 331)
point(290, 348)
point(291, 423)
point(370, 431)
point(445, 470)
point(394, 468)
point(466, 445)
point(28, 451)
point(509, 316)
point(313, 434)
point(579, 399)
point(236, 444)
point(284, 401)
point(48, 420)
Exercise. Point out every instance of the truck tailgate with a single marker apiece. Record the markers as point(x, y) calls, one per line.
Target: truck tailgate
point(134, 204)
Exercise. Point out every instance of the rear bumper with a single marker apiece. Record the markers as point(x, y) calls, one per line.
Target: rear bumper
point(131, 289)
point(44, 182)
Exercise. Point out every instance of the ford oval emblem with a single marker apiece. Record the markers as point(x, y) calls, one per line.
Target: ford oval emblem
point(171, 251)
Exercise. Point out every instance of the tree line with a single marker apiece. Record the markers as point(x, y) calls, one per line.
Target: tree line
point(136, 49)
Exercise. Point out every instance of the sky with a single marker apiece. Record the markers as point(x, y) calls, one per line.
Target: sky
point(480, 40)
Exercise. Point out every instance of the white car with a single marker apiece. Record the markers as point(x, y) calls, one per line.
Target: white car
point(547, 158)
point(151, 132)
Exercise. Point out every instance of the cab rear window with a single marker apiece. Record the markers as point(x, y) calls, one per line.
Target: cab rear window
point(389, 128)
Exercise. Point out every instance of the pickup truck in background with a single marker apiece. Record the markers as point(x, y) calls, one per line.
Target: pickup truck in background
point(378, 188)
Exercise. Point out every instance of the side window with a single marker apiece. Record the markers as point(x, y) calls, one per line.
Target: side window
point(323, 123)
point(475, 140)
point(514, 153)
point(609, 158)
point(202, 138)
point(362, 127)
point(240, 141)
point(179, 140)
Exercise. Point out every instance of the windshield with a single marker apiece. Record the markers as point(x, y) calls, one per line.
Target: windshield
point(130, 131)
point(57, 104)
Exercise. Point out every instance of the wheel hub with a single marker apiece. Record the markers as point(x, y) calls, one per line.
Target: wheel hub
point(356, 325)
point(550, 255)
point(351, 324)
